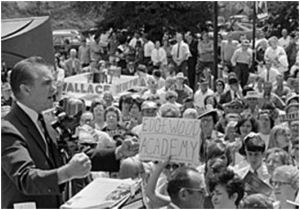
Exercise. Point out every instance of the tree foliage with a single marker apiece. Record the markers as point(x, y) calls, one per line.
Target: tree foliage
point(156, 17)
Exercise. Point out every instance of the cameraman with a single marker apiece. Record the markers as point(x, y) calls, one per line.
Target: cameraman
point(32, 169)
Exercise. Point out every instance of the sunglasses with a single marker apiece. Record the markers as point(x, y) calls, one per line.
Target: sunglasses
point(173, 166)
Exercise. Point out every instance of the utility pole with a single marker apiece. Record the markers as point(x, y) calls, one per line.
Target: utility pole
point(215, 18)
point(253, 36)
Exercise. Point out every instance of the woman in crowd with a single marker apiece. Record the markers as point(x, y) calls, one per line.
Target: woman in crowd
point(135, 112)
point(97, 108)
point(266, 123)
point(276, 157)
point(227, 190)
point(220, 87)
point(280, 137)
point(125, 103)
point(112, 119)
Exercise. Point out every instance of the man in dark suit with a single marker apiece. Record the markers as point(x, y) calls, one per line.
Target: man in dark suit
point(233, 92)
point(32, 169)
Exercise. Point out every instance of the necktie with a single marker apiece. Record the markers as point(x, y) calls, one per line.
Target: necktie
point(46, 134)
point(178, 50)
point(255, 173)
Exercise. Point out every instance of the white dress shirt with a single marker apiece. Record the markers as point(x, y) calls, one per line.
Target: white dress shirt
point(184, 51)
point(159, 55)
point(199, 97)
point(148, 47)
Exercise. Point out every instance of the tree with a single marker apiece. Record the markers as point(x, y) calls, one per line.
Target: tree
point(156, 17)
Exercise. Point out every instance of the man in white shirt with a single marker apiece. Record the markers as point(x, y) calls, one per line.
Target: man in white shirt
point(276, 55)
point(201, 94)
point(136, 37)
point(148, 47)
point(285, 40)
point(158, 55)
point(269, 73)
point(180, 54)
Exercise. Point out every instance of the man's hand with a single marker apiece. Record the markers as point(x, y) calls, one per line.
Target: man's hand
point(129, 148)
point(79, 166)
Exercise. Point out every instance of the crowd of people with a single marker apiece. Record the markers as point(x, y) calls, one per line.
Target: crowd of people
point(248, 119)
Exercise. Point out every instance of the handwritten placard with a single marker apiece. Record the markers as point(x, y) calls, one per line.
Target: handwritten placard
point(162, 137)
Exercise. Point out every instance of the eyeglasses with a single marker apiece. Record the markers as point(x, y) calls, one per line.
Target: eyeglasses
point(173, 166)
point(278, 183)
point(201, 190)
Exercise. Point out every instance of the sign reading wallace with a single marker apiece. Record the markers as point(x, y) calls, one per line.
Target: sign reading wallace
point(162, 137)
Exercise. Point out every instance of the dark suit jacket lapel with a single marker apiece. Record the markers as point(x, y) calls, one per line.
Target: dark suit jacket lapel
point(26, 121)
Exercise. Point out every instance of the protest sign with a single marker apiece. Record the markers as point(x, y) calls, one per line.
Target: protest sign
point(162, 137)
point(254, 185)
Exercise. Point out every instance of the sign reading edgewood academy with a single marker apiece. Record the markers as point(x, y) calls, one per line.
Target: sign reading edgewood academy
point(162, 137)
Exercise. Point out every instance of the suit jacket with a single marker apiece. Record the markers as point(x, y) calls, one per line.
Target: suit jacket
point(69, 71)
point(27, 173)
point(225, 97)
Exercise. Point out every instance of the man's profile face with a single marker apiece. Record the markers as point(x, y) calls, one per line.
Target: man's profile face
point(42, 91)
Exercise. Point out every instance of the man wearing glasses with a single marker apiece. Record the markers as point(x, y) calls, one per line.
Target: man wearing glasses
point(186, 188)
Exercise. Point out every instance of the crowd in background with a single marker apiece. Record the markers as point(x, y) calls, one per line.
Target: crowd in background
point(246, 116)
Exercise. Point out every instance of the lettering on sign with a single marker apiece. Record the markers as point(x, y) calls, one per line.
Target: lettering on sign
point(86, 88)
point(162, 137)
point(122, 87)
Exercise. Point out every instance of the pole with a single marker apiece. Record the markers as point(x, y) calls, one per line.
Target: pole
point(215, 18)
point(253, 36)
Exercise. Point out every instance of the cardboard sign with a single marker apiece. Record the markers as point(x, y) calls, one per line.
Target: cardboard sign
point(122, 87)
point(162, 137)
point(254, 185)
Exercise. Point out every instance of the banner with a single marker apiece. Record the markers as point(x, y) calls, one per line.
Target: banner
point(162, 137)
point(262, 9)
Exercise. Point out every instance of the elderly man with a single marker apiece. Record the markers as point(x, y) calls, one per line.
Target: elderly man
point(72, 65)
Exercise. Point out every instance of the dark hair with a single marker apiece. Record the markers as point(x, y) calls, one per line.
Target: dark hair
point(217, 149)
point(222, 82)
point(126, 99)
point(246, 89)
point(243, 119)
point(138, 101)
point(112, 109)
point(180, 179)
point(268, 105)
point(96, 102)
point(22, 73)
point(214, 99)
point(214, 164)
point(272, 122)
point(120, 138)
point(254, 143)
point(230, 181)
point(256, 201)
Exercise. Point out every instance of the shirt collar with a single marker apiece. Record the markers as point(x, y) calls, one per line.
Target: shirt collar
point(30, 112)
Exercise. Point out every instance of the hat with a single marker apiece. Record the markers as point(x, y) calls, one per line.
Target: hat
point(188, 99)
point(291, 97)
point(290, 106)
point(235, 102)
point(149, 105)
point(245, 42)
point(180, 76)
point(251, 94)
point(142, 68)
point(206, 110)
point(232, 78)
point(232, 116)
